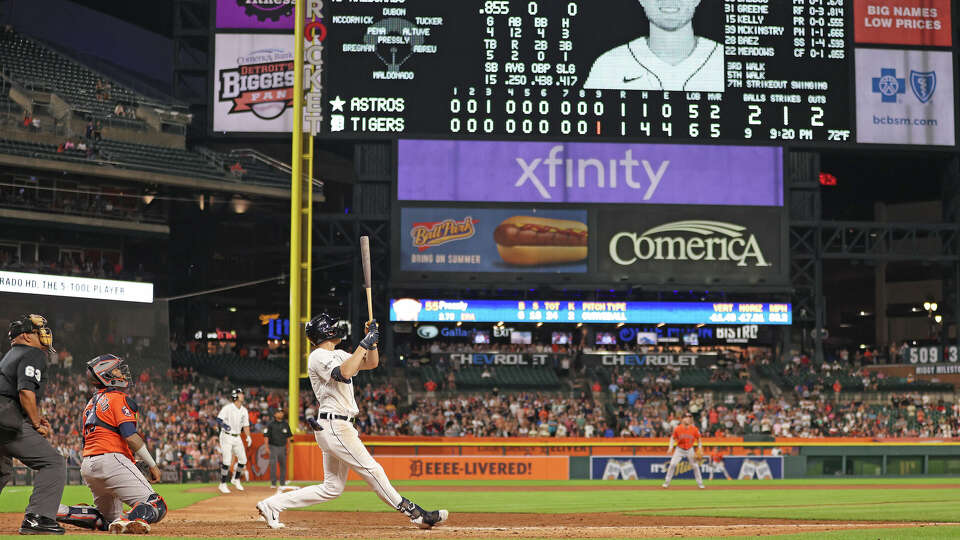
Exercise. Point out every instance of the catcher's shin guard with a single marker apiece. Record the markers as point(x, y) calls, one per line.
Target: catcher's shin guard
point(83, 516)
point(151, 511)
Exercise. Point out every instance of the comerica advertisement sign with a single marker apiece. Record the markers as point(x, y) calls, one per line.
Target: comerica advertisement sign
point(727, 244)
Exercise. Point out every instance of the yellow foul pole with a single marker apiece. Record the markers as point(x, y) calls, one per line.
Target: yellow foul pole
point(298, 274)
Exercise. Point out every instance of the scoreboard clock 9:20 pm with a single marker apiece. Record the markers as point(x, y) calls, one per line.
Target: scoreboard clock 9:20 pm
point(711, 70)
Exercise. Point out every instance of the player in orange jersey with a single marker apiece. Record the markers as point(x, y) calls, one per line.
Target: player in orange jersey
point(684, 437)
point(110, 442)
point(716, 458)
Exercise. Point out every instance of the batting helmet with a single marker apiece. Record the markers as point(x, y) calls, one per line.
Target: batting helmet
point(31, 323)
point(110, 371)
point(324, 327)
point(236, 392)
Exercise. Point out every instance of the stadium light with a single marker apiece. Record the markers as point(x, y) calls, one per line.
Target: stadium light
point(938, 318)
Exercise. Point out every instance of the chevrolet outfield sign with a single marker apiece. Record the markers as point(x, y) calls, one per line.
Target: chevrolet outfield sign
point(693, 244)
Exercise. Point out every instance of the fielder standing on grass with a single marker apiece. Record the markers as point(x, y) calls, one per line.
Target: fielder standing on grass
point(331, 374)
point(234, 421)
point(684, 437)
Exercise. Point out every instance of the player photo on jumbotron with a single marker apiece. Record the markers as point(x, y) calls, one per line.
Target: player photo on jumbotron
point(668, 55)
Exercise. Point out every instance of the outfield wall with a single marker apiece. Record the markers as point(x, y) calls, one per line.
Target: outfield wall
point(573, 458)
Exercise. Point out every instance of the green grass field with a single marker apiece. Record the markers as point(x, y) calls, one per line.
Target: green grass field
point(830, 499)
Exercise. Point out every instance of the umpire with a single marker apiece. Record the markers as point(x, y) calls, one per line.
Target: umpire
point(278, 434)
point(23, 429)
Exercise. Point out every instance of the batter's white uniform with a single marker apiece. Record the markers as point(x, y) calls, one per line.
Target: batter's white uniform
point(236, 418)
point(635, 67)
point(339, 440)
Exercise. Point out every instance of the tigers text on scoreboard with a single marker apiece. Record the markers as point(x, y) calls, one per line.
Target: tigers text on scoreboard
point(741, 70)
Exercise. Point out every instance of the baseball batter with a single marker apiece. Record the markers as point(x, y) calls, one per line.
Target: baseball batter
point(110, 442)
point(234, 421)
point(684, 437)
point(670, 58)
point(331, 375)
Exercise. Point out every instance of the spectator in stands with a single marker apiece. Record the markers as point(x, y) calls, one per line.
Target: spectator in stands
point(88, 133)
point(98, 131)
point(27, 120)
point(118, 110)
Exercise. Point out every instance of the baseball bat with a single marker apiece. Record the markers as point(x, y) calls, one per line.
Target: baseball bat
point(365, 260)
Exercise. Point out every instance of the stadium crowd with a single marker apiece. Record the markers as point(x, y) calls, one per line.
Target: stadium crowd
point(178, 407)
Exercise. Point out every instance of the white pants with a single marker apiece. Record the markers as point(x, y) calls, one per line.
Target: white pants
point(718, 466)
point(342, 451)
point(232, 445)
point(678, 456)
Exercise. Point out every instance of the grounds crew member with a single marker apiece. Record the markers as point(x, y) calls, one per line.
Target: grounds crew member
point(278, 435)
point(23, 429)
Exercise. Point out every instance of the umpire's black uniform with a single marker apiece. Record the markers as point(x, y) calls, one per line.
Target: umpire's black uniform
point(23, 368)
point(278, 433)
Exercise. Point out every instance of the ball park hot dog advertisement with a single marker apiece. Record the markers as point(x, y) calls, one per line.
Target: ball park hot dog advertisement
point(493, 240)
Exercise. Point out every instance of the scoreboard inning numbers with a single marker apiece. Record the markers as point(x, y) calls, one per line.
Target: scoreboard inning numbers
point(742, 70)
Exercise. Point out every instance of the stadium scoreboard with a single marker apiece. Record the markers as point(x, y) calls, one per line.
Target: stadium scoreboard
point(567, 311)
point(751, 70)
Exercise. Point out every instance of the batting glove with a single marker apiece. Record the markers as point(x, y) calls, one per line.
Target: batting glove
point(372, 326)
point(249, 441)
point(369, 342)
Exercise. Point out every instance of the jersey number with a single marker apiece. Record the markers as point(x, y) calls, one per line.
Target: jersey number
point(32, 373)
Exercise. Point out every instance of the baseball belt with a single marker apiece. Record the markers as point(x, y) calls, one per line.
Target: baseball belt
point(331, 416)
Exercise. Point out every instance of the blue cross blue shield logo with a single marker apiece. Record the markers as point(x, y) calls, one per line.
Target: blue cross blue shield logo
point(923, 84)
point(889, 86)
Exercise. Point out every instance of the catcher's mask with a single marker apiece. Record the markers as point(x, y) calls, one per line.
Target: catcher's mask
point(110, 370)
point(32, 323)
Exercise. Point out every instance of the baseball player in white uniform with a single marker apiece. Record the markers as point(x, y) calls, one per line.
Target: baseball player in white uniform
point(671, 58)
point(331, 374)
point(234, 421)
point(684, 437)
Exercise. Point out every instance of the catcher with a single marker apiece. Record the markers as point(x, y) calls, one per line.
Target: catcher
point(331, 375)
point(110, 441)
point(684, 436)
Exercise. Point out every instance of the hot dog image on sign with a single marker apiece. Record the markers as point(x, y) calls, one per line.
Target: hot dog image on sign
point(494, 240)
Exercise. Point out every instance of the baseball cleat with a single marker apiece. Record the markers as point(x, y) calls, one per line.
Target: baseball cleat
point(701, 486)
point(224, 489)
point(269, 515)
point(119, 526)
point(137, 526)
point(664, 485)
point(427, 520)
point(37, 524)
point(236, 484)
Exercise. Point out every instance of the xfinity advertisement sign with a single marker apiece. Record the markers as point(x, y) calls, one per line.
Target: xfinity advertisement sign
point(585, 173)
point(705, 244)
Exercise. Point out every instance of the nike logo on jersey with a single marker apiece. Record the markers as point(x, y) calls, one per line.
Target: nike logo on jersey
point(629, 80)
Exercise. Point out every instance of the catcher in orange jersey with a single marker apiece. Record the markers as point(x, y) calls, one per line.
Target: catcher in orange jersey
point(684, 437)
point(110, 446)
